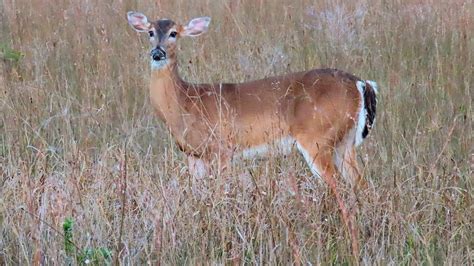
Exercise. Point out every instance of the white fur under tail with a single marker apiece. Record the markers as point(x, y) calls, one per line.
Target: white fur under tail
point(374, 85)
point(361, 119)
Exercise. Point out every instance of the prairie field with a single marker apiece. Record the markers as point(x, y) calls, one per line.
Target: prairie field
point(88, 173)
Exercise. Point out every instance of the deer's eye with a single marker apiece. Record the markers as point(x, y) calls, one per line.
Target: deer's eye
point(151, 33)
point(173, 34)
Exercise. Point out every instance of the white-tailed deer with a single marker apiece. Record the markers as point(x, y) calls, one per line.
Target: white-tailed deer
point(324, 113)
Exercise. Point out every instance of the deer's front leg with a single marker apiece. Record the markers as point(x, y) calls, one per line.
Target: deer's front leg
point(214, 162)
point(197, 167)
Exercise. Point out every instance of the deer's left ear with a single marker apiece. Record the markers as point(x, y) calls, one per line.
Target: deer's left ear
point(138, 21)
point(196, 27)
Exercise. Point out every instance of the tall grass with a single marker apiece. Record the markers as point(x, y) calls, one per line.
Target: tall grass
point(79, 138)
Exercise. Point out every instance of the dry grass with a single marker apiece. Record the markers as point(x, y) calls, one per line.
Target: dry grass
point(77, 130)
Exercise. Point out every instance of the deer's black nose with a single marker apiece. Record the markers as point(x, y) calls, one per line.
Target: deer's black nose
point(158, 54)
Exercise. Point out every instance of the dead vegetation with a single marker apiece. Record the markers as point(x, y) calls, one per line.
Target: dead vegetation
point(79, 138)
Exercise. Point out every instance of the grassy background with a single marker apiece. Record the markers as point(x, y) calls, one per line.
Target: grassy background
point(78, 137)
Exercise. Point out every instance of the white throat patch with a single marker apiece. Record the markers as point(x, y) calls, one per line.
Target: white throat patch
point(156, 65)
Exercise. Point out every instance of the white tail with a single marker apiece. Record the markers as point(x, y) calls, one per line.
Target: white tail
point(324, 113)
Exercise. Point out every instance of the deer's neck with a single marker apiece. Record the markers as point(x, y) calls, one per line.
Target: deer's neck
point(166, 93)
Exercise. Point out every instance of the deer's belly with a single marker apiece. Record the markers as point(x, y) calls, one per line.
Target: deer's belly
point(281, 146)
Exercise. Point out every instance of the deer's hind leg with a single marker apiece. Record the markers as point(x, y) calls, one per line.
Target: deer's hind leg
point(345, 159)
point(319, 157)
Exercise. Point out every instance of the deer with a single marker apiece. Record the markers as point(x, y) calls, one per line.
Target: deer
point(323, 113)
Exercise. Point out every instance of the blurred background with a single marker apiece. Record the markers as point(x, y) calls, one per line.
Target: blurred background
point(89, 174)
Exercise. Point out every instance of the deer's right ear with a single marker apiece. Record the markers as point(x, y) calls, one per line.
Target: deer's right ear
point(196, 27)
point(138, 21)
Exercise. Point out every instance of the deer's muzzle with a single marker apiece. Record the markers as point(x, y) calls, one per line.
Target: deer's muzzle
point(158, 54)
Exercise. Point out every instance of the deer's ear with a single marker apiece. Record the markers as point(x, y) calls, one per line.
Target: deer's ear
point(138, 21)
point(196, 27)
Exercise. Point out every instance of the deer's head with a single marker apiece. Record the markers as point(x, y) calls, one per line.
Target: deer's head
point(164, 33)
